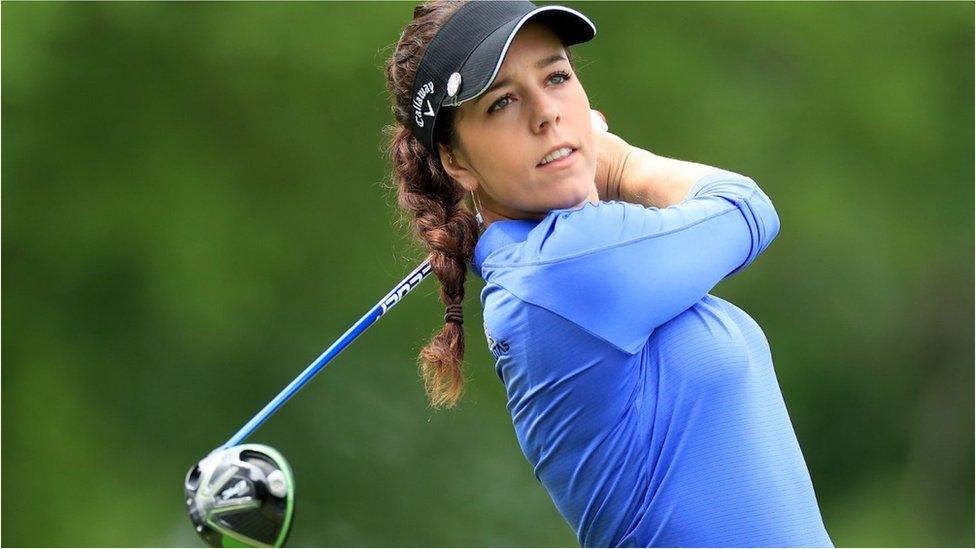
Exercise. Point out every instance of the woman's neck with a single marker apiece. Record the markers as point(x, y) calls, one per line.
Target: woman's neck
point(492, 212)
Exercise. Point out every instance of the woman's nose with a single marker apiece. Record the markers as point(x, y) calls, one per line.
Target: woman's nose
point(546, 112)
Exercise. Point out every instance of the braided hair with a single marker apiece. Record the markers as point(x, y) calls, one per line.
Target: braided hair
point(433, 202)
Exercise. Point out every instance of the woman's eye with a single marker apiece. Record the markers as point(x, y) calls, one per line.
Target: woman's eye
point(498, 105)
point(565, 76)
point(495, 107)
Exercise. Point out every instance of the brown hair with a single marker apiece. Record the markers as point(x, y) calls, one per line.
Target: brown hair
point(434, 202)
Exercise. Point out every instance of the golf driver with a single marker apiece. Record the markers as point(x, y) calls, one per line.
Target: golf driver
point(242, 495)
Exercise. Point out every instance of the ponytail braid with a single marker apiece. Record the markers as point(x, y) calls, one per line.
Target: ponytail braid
point(434, 204)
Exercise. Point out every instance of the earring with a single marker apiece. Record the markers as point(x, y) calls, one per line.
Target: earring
point(474, 200)
point(477, 210)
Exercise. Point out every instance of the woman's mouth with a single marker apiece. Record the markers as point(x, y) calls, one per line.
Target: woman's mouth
point(558, 160)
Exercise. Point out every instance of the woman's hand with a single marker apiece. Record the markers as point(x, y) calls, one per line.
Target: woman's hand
point(612, 153)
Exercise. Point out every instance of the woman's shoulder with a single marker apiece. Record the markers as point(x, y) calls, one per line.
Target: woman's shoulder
point(588, 228)
point(564, 234)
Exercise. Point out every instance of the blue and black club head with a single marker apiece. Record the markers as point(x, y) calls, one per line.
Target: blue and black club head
point(242, 496)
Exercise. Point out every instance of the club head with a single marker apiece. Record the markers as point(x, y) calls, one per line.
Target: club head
point(242, 496)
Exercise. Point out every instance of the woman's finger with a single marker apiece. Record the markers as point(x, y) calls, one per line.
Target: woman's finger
point(599, 121)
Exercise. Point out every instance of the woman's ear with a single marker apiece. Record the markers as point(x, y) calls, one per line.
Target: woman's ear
point(457, 168)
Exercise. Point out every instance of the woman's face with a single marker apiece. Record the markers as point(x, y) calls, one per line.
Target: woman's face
point(534, 106)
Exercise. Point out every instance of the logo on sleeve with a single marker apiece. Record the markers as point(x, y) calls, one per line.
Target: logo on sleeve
point(497, 348)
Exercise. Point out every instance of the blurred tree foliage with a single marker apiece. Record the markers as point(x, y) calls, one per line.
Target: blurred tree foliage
point(194, 207)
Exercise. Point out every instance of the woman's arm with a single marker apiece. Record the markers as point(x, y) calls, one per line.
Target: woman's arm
point(631, 174)
point(619, 270)
point(653, 180)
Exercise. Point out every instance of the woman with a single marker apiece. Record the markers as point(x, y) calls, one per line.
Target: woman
point(648, 408)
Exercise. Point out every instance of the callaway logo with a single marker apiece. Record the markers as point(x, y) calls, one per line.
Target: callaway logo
point(418, 104)
point(234, 490)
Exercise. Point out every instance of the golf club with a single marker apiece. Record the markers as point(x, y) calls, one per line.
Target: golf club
point(242, 495)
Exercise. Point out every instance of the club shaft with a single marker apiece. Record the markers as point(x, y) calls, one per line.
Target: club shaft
point(411, 281)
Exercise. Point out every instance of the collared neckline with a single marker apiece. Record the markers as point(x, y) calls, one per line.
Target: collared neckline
point(510, 231)
point(499, 234)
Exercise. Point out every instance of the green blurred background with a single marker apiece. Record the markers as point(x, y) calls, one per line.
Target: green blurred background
point(194, 207)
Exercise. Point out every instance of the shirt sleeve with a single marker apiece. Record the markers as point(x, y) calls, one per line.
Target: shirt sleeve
point(620, 270)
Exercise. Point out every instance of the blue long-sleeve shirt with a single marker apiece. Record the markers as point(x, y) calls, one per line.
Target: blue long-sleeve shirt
point(648, 408)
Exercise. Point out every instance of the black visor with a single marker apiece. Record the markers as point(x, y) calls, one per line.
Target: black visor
point(464, 57)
